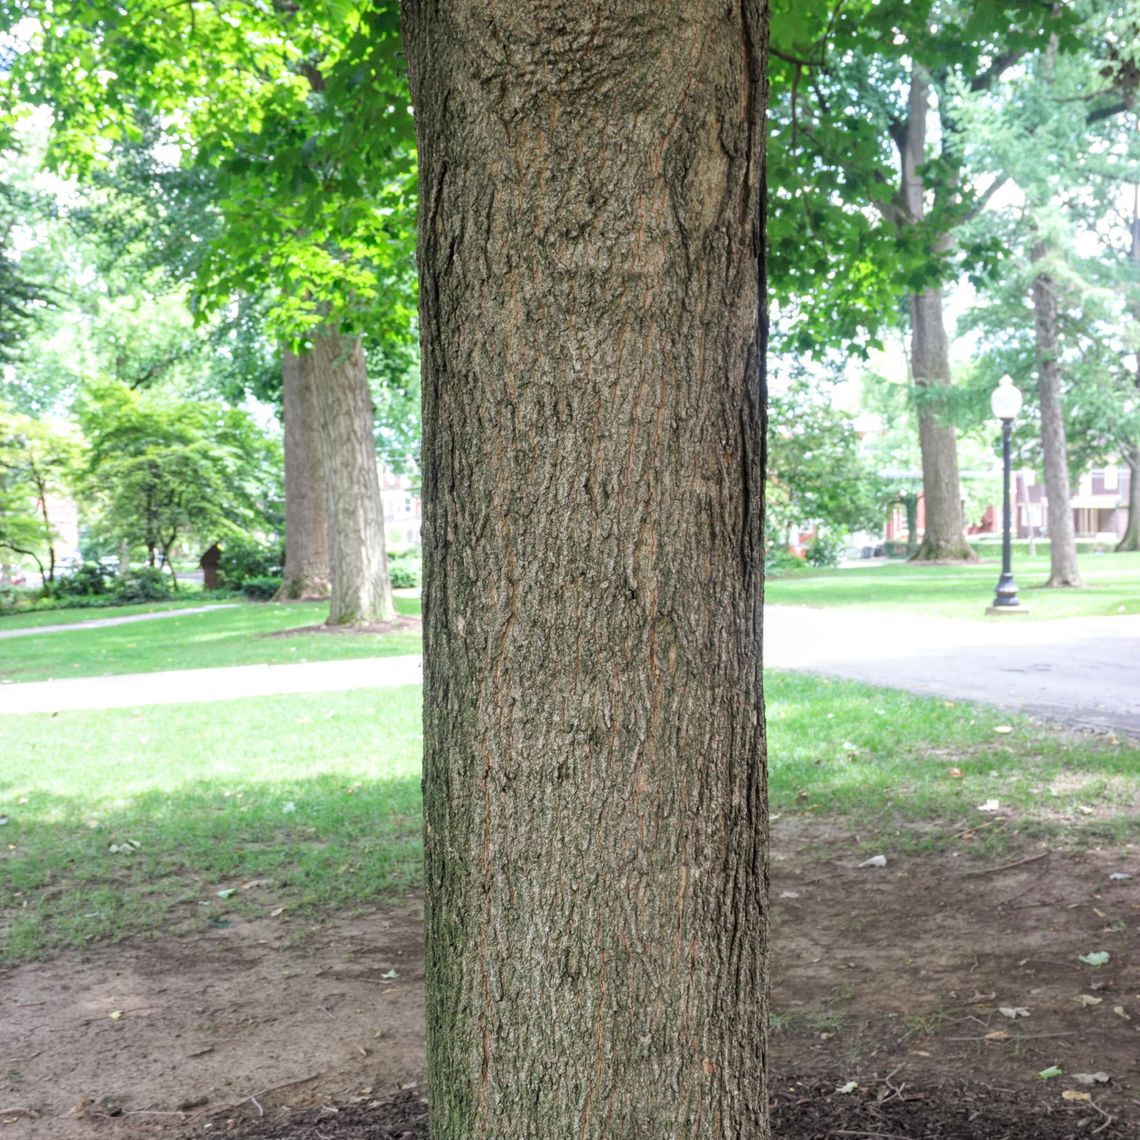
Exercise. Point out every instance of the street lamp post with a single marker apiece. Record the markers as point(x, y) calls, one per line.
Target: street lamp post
point(1006, 403)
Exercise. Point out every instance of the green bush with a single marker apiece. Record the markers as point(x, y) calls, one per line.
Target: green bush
point(404, 571)
point(246, 559)
point(146, 584)
point(825, 550)
point(261, 589)
point(780, 561)
point(92, 579)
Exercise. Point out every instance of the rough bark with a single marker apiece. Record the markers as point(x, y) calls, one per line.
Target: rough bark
point(944, 537)
point(1130, 540)
point(306, 573)
point(1062, 535)
point(596, 829)
point(333, 370)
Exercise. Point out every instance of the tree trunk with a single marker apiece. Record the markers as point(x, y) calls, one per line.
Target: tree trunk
point(306, 572)
point(596, 827)
point(1130, 540)
point(1062, 536)
point(334, 371)
point(944, 537)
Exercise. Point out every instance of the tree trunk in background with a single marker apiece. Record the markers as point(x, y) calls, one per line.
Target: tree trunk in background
point(944, 537)
point(334, 371)
point(1130, 540)
point(1062, 536)
point(596, 825)
point(306, 572)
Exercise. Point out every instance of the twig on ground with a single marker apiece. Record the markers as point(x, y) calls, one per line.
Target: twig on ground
point(1007, 866)
point(1107, 1119)
point(257, 1105)
point(19, 1110)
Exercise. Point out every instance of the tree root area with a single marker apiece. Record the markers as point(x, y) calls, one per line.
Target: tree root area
point(960, 992)
point(801, 1109)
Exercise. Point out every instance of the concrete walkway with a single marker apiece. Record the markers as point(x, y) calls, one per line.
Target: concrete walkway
point(185, 686)
point(1083, 671)
point(103, 623)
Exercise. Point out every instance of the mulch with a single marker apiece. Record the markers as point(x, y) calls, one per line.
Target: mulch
point(808, 1109)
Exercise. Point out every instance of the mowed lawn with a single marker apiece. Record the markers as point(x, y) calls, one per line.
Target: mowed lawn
point(963, 591)
point(173, 818)
point(248, 633)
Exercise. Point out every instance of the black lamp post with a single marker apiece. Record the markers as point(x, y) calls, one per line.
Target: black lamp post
point(1006, 403)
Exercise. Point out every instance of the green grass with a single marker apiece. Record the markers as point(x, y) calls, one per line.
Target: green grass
point(234, 636)
point(1112, 587)
point(318, 796)
point(188, 596)
point(313, 802)
point(884, 758)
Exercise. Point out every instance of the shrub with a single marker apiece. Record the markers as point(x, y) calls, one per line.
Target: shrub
point(262, 588)
point(246, 559)
point(779, 561)
point(146, 584)
point(825, 550)
point(92, 579)
point(404, 571)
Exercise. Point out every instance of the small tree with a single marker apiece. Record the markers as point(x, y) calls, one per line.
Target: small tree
point(815, 472)
point(35, 461)
point(160, 470)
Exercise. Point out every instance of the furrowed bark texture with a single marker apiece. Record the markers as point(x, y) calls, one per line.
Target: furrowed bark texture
point(306, 571)
point(335, 373)
point(1062, 534)
point(944, 536)
point(596, 828)
point(1130, 540)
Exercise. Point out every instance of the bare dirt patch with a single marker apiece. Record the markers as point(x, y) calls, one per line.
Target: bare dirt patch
point(893, 978)
point(401, 624)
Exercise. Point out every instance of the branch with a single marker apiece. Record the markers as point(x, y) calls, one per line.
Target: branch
point(1102, 113)
point(994, 72)
point(980, 202)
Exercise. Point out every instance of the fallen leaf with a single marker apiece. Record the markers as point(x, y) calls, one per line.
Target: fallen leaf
point(1119, 877)
point(276, 912)
point(874, 861)
point(1088, 999)
point(1084, 809)
point(789, 894)
point(1013, 1012)
point(849, 1087)
point(990, 805)
point(1049, 1073)
point(1092, 1078)
point(116, 1015)
point(955, 773)
point(1096, 958)
point(1120, 1011)
point(1073, 1094)
point(226, 892)
point(1003, 728)
point(998, 1035)
point(388, 975)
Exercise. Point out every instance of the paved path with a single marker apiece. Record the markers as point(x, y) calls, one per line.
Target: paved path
point(102, 623)
point(184, 686)
point(1084, 672)
point(1081, 671)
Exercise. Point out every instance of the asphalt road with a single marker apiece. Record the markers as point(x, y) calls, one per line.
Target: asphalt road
point(1083, 672)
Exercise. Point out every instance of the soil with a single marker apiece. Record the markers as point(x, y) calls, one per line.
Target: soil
point(401, 624)
point(892, 978)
